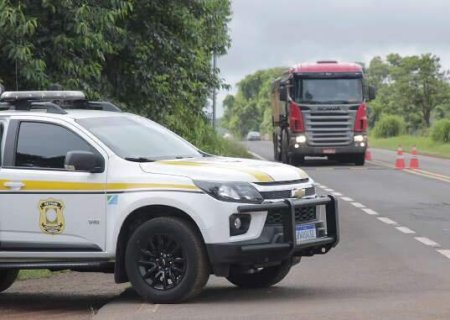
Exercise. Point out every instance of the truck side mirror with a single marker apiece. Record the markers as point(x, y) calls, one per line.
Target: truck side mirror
point(84, 161)
point(372, 93)
point(283, 93)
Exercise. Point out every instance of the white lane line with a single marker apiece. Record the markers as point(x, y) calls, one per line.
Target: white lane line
point(328, 190)
point(257, 156)
point(445, 253)
point(370, 211)
point(405, 230)
point(358, 205)
point(387, 220)
point(336, 194)
point(346, 199)
point(427, 242)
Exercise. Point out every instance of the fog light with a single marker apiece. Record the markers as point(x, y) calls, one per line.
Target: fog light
point(239, 223)
point(296, 146)
point(359, 138)
point(362, 144)
point(300, 139)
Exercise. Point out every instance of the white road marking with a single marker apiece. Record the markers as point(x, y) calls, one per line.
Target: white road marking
point(445, 253)
point(387, 220)
point(358, 205)
point(336, 194)
point(346, 199)
point(257, 156)
point(427, 242)
point(370, 211)
point(405, 230)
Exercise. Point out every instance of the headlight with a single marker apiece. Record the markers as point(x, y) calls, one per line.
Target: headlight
point(359, 138)
point(231, 191)
point(300, 139)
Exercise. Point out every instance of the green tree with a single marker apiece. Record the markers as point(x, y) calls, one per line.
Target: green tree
point(413, 86)
point(151, 57)
point(250, 108)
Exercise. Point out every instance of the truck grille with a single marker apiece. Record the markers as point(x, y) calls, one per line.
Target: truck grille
point(283, 194)
point(329, 128)
point(303, 214)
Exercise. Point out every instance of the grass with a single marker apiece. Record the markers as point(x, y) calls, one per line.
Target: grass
point(34, 274)
point(424, 145)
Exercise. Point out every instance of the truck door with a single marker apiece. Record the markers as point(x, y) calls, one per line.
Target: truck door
point(45, 207)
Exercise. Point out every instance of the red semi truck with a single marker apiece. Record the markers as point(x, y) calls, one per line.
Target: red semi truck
point(319, 109)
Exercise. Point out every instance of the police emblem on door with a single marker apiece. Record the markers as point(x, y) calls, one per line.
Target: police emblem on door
point(51, 217)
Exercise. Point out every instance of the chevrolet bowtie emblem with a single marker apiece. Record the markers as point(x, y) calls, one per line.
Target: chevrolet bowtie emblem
point(298, 193)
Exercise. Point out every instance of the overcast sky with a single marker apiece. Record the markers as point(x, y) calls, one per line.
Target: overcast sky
point(270, 33)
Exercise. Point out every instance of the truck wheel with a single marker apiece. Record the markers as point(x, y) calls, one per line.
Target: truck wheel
point(263, 278)
point(276, 151)
point(360, 159)
point(165, 261)
point(7, 278)
point(284, 157)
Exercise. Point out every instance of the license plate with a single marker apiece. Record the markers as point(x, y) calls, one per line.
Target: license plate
point(305, 232)
point(329, 151)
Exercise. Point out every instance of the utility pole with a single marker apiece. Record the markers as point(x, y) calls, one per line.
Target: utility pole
point(214, 93)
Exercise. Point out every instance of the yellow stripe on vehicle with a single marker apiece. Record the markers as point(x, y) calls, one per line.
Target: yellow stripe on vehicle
point(257, 174)
point(34, 185)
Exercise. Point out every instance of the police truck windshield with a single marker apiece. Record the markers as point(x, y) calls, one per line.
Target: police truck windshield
point(319, 91)
point(138, 139)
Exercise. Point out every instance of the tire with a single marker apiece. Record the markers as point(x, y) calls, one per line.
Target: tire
point(262, 279)
point(359, 159)
point(284, 157)
point(276, 151)
point(297, 160)
point(166, 261)
point(7, 278)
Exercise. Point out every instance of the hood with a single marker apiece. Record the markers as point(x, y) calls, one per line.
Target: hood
point(225, 169)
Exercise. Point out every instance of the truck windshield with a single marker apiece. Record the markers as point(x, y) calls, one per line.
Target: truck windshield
point(138, 139)
point(329, 91)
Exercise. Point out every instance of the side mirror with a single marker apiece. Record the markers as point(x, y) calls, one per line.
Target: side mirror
point(84, 161)
point(283, 93)
point(371, 93)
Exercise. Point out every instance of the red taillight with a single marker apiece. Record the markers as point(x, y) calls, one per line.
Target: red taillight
point(296, 119)
point(361, 119)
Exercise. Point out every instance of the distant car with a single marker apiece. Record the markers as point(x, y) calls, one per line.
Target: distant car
point(253, 136)
point(228, 135)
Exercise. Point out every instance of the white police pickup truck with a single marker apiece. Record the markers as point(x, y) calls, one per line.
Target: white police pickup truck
point(86, 187)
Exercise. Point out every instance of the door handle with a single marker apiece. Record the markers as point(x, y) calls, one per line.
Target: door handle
point(14, 185)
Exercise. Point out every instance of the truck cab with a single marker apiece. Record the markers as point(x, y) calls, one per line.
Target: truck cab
point(320, 109)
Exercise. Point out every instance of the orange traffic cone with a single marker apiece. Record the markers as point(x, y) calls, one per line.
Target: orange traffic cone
point(414, 162)
point(400, 161)
point(368, 155)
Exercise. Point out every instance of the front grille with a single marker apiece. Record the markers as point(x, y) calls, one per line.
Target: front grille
point(303, 214)
point(329, 128)
point(283, 194)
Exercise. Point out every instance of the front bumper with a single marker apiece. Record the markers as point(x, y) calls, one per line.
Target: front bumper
point(314, 151)
point(278, 243)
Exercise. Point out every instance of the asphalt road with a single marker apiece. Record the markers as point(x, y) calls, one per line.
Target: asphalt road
point(393, 261)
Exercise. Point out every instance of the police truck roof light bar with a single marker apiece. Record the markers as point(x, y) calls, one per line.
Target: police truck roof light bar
point(11, 96)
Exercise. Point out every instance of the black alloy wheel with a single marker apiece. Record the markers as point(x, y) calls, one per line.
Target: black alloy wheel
point(162, 264)
point(166, 260)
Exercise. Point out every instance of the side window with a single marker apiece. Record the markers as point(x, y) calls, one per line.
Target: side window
point(45, 145)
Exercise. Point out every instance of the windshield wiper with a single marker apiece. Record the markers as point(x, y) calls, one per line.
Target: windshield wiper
point(139, 159)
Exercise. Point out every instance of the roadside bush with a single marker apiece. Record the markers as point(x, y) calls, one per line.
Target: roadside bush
point(440, 132)
point(389, 126)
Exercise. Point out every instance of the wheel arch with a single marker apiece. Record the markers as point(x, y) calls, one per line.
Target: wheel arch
point(134, 220)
